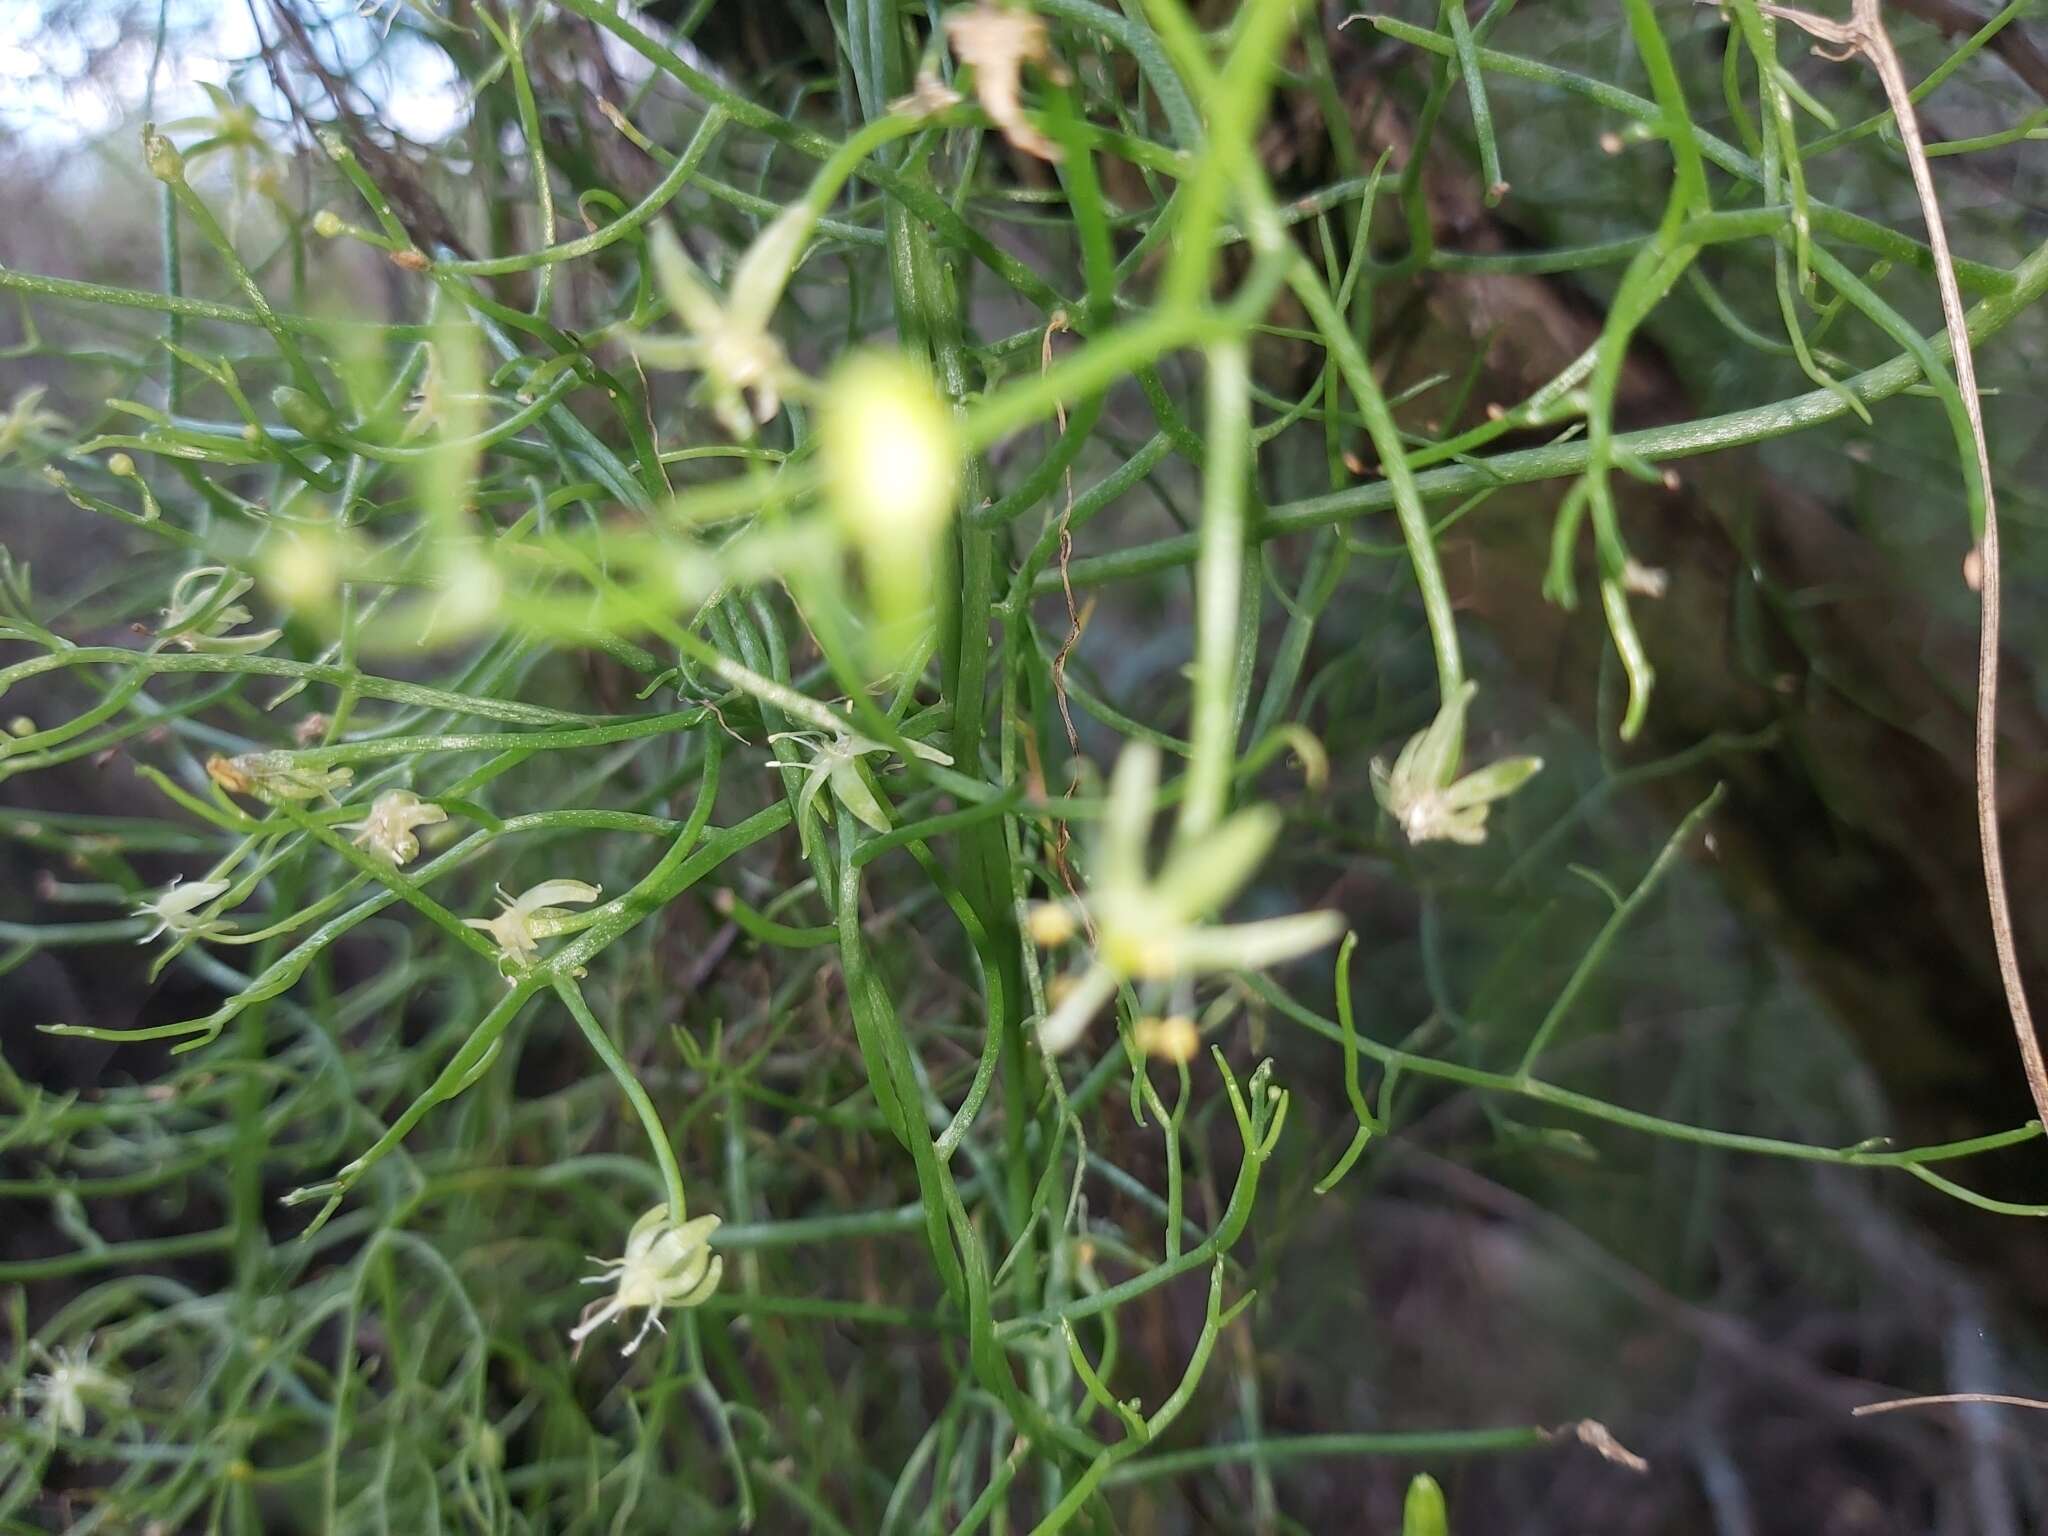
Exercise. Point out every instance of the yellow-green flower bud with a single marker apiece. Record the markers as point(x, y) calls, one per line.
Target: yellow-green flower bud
point(161, 156)
point(1424, 1514)
point(891, 457)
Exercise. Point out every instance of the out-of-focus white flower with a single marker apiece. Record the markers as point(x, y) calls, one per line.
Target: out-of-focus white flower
point(666, 1264)
point(835, 760)
point(730, 343)
point(1422, 794)
point(275, 776)
point(996, 40)
point(72, 1385)
point(176, 910)
point(388, 830)
point(204, 608)
point(25, 421)
point(1152, 927)
point(1640, 580)
point(518, 927)
point(890, 453)
point(234, 128)
point(302, 570)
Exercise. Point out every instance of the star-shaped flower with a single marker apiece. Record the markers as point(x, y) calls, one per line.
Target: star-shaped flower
point(666, 1264)
point(204, 608)
point(1422, 794)
point(835, 760)
point(176, 910)
point(1154, 928)
point(745, 369)
point(72, 1385)
point(387, 830)
point(26, 421)
point(522, 920)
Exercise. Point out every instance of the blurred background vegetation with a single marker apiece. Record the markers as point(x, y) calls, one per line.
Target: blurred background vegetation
point(1812, 965)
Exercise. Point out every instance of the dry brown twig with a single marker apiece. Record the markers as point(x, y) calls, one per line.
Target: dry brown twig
point(1864, 33)
point(1947, 1400)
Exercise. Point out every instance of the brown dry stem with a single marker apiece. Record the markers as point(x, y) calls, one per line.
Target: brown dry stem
point(1865, 34)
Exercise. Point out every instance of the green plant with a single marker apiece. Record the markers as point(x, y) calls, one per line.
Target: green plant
point(567, 620)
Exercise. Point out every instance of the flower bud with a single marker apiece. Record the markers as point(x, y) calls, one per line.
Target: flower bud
point(1423, 1513)
point(161, 156)
point(274, 776)
point(891, 457)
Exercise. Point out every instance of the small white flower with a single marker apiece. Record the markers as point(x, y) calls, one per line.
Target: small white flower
point(665, 1264)
point(176, 910)
point(72, 1385)
point(204, 608)
point(745, 369)
point(1420, 792)
point(388, 830)
point(1640, 580)
point(518, 927)
point(836, 761)
point(27, 422)
point(1152, 927)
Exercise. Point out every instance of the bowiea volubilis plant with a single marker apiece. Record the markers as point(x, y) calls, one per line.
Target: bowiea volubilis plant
point(617, 760)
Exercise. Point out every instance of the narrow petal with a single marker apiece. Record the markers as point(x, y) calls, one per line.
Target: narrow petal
point(814, 781)
point(693, 303)
point(1252, 946)
point(1063, 1026)
point(762, 274)
point(854, 794)
point(1128, 817)
point(701, 1292)
point(1496, 781)
point(549, 892)
point(678, 354)
point(1429, 760)
point(1200, 876)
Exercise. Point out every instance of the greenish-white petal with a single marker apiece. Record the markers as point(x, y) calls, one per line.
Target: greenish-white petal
point(1251, 946)
point(854, 794)
point(1200, 876)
